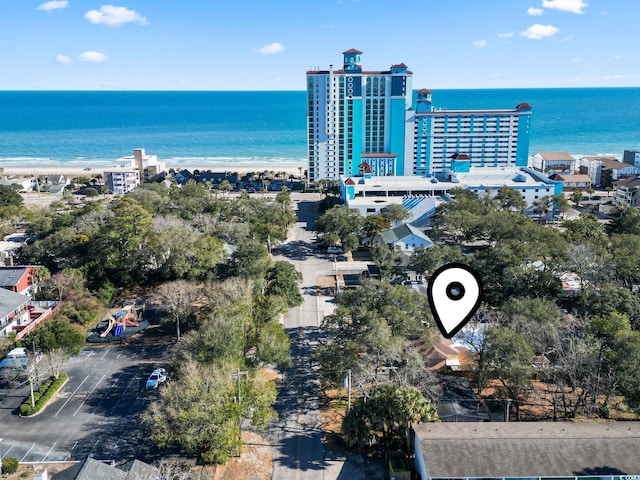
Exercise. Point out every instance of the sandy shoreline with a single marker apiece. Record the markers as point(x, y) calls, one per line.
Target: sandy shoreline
point(90, 169)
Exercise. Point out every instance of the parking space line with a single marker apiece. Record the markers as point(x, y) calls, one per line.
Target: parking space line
point(88, 395)
point(106, 394)
point(45, 457)
point(72, 395)
point(28, 451)
point(94, 447)
point(5, 453)
point(122, 395)
point(105, 354)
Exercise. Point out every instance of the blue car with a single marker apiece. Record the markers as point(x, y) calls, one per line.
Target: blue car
point(158, 376)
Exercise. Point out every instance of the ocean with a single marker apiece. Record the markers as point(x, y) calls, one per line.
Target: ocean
point(72, 128)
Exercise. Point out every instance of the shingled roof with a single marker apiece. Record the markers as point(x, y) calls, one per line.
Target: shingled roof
point(530, 449)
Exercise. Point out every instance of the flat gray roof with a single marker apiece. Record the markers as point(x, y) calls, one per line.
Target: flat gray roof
point(530, 449)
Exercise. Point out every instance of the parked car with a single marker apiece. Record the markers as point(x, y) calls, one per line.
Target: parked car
point(158, 376)
point(342, 258)
point(334, 250)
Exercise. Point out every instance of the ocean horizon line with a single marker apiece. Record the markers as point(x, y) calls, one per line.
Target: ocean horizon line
point(125, 90)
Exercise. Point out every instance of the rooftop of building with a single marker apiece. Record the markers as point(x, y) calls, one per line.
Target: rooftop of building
point(571, 177)
point(530, 449)
point(502, 176)
point(354, 74)
point(628, 182)
point(598, 158)
point(611, 163)
point(555, 156)
point(11, 301)
point(10, 276)
point(481, 177)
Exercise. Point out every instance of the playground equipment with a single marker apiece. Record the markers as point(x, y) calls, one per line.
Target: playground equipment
point(118, 321)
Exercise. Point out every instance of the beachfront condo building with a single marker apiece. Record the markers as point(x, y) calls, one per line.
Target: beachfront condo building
point(356, 116)
point(372, 123)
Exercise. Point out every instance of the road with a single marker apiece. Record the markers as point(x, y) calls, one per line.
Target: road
point(298, 452)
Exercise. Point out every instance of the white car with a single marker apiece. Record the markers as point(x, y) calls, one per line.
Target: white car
point(158, 376)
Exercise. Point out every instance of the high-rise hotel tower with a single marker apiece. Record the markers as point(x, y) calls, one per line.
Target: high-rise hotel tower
point(355, 115)
point(371, 122)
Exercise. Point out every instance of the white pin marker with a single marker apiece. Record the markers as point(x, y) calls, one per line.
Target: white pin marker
point(455, 293)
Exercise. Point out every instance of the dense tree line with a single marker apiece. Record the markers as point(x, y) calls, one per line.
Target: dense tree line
point(584, 356)
point(206, 261)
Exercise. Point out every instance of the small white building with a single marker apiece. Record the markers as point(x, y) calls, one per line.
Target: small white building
point(148, 166)
point(553, 162)
point(121, 180)
point(405, 238)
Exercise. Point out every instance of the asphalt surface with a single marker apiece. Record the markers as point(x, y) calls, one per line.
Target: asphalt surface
point(298, 452)
point(96, 413)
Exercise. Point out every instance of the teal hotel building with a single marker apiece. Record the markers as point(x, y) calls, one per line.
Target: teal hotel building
point(372, 122)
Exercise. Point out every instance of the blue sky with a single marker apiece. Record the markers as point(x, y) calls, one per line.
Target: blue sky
point(268, 45)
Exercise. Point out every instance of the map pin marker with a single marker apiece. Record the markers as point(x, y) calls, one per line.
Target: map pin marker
point(455, 293)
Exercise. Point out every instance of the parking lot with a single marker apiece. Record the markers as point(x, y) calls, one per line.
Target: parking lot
point(96, 413)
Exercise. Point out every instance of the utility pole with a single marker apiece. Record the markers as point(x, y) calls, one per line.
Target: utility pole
point(238, 373)
point(347, 382)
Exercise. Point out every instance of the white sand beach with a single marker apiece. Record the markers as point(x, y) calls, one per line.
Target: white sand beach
point(88, 169)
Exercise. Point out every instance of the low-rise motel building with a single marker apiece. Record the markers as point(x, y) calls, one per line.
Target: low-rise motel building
point(527, 450)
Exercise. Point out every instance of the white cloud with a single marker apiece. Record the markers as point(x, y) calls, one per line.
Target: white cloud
point(62, 59)
point(616, 77)
point(506, 35)
point(537, 31)
point(573, 6)
point(92, 56)
point(535, 11)
point(480, 43)
point(269, 49)
point(113, 16)
point(53, 5)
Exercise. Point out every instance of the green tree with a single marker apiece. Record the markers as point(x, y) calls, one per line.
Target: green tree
point(116, 253)
point(58, 340)
point(625, 255)
point(200, 410)
point(225, 186)
point(386, 417)
point(375, 224)
point(396, 213)
point(538, 319)
point(586, 229)
point(370, 328)
point(510, 199)
point(428, 260)
point(283, 279)
point(577, 196)
point(9, 197)
point(508, 358)
point(626, 362)
point(626, 222)
point(342, 223)
point(386, 258)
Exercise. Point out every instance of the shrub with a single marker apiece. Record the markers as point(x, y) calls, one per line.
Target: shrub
point(42, 400)
point(10, 465)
